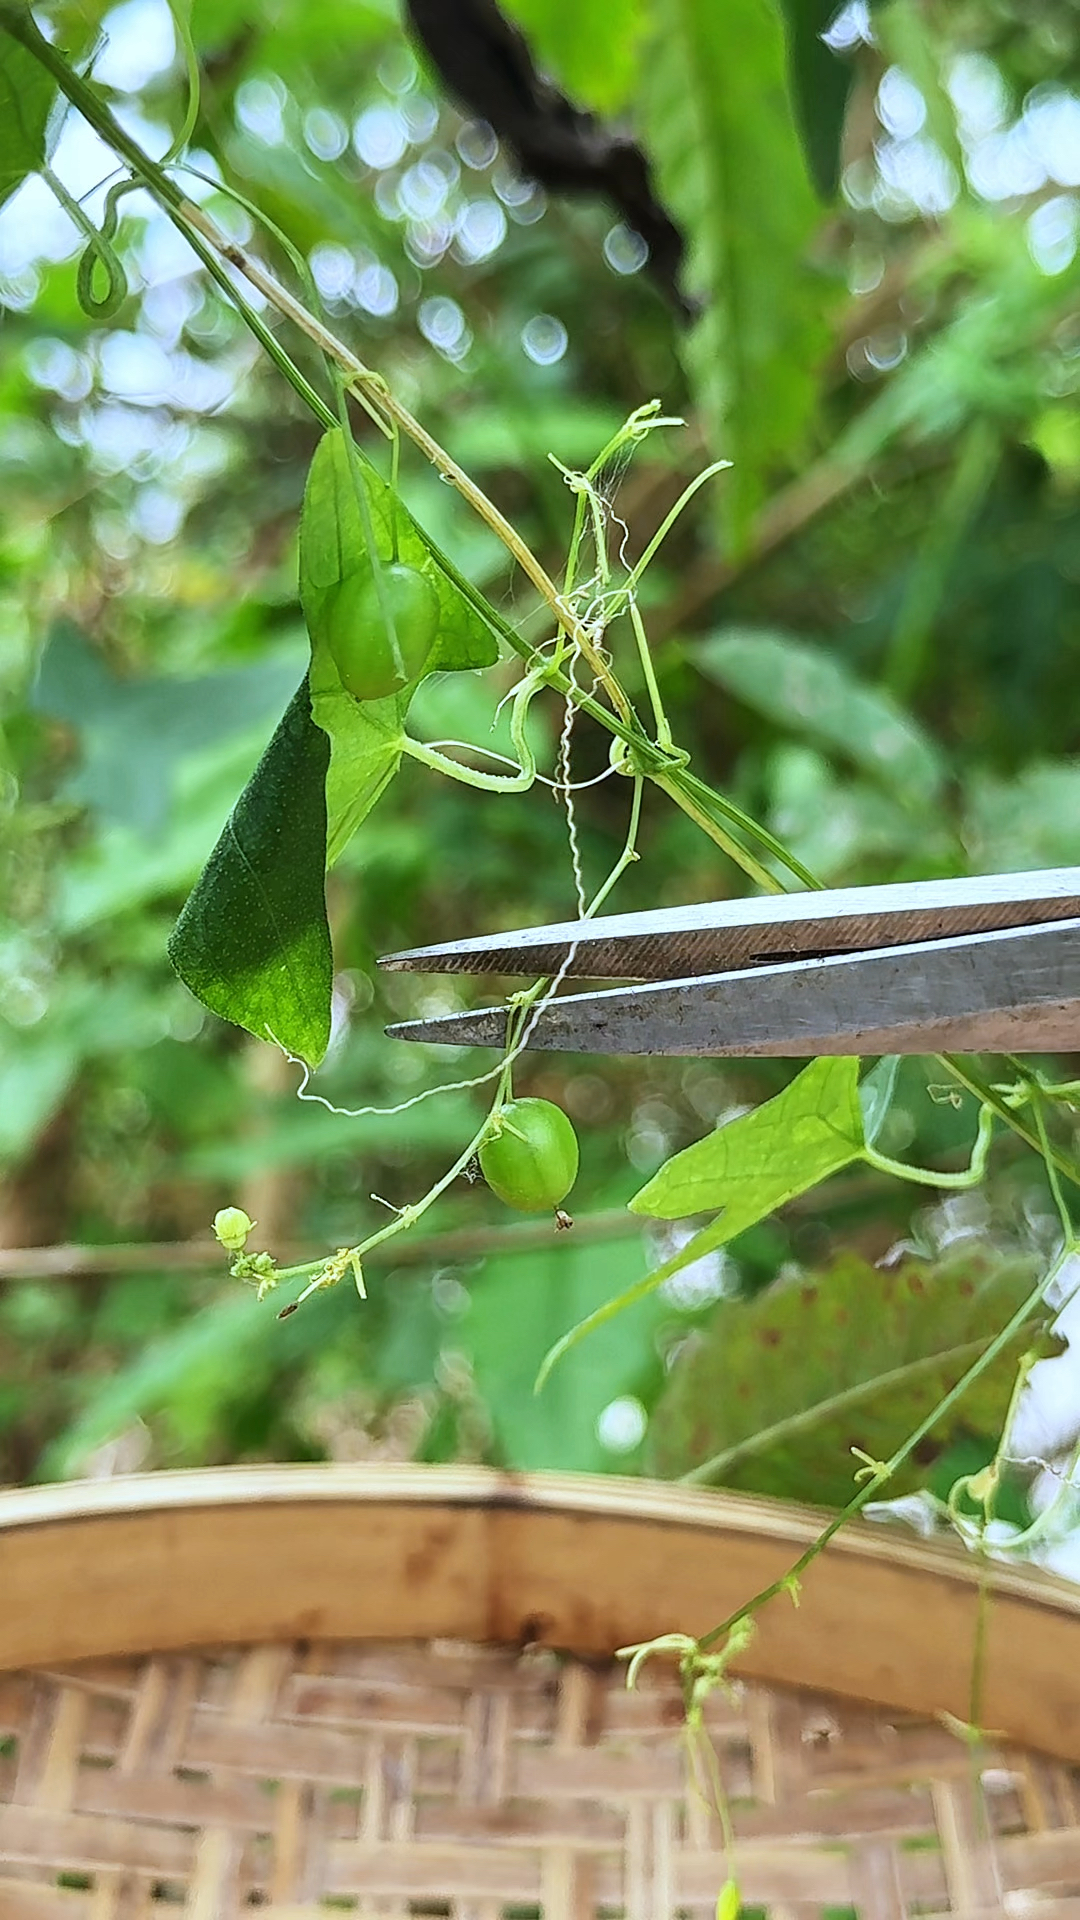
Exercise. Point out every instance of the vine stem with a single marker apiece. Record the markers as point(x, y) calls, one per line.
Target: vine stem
point(805, 1422)
point(372, 387)
point(884, 1470)
point(664, 736)
point(326, 1272)
point(468, 776)
point(961, 1069)
point(214, 249)
point(684, 789)
point(670, 784)
point(19, 23)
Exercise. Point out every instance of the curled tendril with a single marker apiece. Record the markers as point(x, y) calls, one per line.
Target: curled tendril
point(99, 256)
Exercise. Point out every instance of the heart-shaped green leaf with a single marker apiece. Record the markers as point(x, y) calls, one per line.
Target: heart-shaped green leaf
point(26, 98)
point(253, 942)
point(365, 736)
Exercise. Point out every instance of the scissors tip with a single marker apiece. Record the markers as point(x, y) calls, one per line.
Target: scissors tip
point(412, 960)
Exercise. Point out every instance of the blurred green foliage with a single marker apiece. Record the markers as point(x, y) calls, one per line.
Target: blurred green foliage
point(868, 634)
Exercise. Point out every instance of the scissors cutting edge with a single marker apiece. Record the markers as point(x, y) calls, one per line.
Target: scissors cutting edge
point(987, 965)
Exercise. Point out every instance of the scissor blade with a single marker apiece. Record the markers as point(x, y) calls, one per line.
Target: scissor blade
point(1015, 991)
point(721, 935)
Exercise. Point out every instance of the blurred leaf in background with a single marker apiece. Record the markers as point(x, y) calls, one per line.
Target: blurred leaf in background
point(772, 1397)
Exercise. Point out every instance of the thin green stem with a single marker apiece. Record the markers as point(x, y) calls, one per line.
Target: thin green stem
point(885, 1470)
point(710, 799)
point(1052, 1173)
point(969, 1176)
point(962, 1070)
point(395, 474)
point(324, 1272)
point(576, 536)
point(631, 584)
point(643, 421)
point(627, 856)
point(519, 782)
point(182, 27)
point(664, 736)
point(675, 789)
point(255, 323)
point(437, 762)
point(17, 20)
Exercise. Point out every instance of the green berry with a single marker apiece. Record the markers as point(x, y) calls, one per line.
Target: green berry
point(531, 1161)
point(232, 1226)
point(371, 663)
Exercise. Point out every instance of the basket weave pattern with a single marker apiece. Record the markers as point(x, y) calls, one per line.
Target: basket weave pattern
point(470, 1782)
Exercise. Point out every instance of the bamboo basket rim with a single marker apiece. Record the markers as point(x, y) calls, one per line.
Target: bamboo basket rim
point(586, 1564)
point(599, 1496)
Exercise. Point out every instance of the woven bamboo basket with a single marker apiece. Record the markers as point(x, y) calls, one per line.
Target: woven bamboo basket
point(390, 1692)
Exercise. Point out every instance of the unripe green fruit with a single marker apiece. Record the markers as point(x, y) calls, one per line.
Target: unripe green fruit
point(357, 633)
point(532, 1162)
point(232, 1226)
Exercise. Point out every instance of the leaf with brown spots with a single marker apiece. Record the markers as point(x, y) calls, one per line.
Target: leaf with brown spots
point(773, 1395)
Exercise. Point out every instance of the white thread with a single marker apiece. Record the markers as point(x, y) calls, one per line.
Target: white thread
point(378, 1113)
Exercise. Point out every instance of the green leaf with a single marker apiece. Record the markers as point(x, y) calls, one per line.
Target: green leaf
point(137, 734)
point(749, 1168)
point(820, 85)
point(808, 691)
point(365, 754)
point(1024, 822)
point(519, 1304)
point(729, 1902)
point(730, 166)
point(333, 543)
point(26, 98)
point(591, 46)
point(253, 942)
point(775, 1393)
point(762, 1160)
point(87, 1018)
point(876, 1095)
point(365, 737)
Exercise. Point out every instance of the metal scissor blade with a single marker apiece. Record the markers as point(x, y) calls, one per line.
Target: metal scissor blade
point(720, 935)
point(1012, 991)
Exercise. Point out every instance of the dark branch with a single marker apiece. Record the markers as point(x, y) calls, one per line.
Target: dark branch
point(486, 64)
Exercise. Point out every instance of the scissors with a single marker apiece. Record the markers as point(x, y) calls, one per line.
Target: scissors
point(984, 965)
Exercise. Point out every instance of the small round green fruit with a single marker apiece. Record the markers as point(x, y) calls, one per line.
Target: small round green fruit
point(370, 665)
point(531, 1162)
point(232, 1226)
